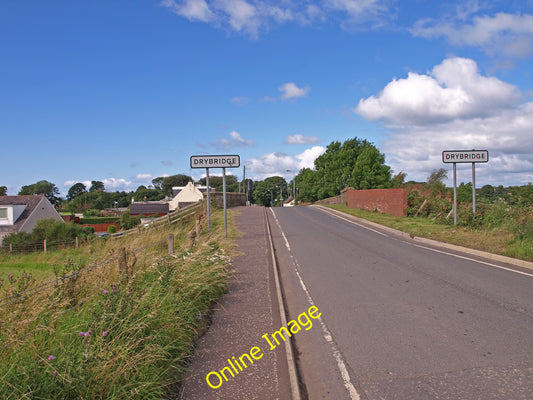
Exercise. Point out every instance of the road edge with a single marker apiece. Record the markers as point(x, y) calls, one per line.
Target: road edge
point(436, 243)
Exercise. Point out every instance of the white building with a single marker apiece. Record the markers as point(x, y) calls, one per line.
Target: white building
point(187, 195)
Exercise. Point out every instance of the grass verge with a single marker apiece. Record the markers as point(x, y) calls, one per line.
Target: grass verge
point(101, 335)
point(500, 240)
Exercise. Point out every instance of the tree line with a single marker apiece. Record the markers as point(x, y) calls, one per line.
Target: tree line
point(356, 163)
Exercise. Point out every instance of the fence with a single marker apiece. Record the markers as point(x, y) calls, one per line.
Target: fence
point(46, 245)
point(125, 271)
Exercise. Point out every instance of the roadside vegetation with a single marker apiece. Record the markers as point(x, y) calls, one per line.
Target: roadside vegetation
point(119, 328)
point(502, 227)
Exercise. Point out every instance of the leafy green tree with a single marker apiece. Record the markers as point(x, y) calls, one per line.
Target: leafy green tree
point(96, 185)
point(158, 182)
point(435, 181)
point(174, 180)
point(215, 182)
point(370, 171)
point(355, 163)
point(307, 186)
point(142, 194)
point(75, 190)
point(271, 188)
point(3, 190)
point(464, 192)
point(42, 187)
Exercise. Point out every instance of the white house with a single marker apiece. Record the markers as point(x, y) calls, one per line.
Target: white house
point(21, 213)
point(188, 195)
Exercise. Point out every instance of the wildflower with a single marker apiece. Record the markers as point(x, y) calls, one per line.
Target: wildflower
point(82, 333)
point(105, 291)
point(104, 333)
point(55, 372)
point(87, 334)
point(50, 358)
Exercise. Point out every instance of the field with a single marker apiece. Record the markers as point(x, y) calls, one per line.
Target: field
point(103, 323)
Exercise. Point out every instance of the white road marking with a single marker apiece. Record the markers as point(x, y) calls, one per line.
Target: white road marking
point(471, 259)
point(353, 222)
point(354, 395)
point(428, 248)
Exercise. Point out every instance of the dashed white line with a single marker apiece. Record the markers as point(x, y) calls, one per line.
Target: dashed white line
point(354, 395)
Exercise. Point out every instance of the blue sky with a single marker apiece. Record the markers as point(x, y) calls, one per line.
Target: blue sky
point(125, 91)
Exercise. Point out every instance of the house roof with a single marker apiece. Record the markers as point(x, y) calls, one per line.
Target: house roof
point(30, 201)
point(148, 208)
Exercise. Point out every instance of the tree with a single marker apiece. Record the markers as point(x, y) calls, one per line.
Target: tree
point(306, 184)
point(50, 190)
point(158, 182)
point(269, 189)
point(174, 180)
point(355, 163)
point(76, 190)
point(398, 180)
point(435, 181)
point(97, 185)
point(3, 190)
point(215, 182)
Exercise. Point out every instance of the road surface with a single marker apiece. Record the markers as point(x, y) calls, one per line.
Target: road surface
point(400, 320)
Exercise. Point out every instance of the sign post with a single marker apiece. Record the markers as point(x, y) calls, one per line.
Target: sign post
point(464, 156)
point(220, 161)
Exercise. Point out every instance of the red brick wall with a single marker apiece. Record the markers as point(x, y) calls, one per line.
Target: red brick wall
point(388, 201)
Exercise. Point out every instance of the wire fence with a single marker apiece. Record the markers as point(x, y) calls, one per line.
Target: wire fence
point(48, 245)
point(124, 272)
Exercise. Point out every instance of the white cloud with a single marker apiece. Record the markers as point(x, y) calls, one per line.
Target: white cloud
point(240, 100)
point(117, 183)
point(454, 89)
point(72, 182)
point(507, 34)
point(254, 16)
point(144, 176)
point(308, 157)
point(360, 11)
point(235, 140)
point(454, 107)
point(282, 164)
point(196, 10)
point(290, 91)
point(301, 139)
point(166, 163)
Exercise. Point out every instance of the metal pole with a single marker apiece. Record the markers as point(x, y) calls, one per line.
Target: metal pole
point(455, 193)
point(225, 208)
point(208, 199)
point(473, 188)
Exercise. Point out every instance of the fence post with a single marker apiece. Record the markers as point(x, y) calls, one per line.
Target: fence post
point(170, 243)
point(10, 248)
point(122, 266)
point(198, 228)
point(44, 245)
point(77, 243)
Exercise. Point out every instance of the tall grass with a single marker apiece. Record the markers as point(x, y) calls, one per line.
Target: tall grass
point(105, 336)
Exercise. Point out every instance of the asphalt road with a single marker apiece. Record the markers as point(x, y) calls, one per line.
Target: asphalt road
point(398, 320)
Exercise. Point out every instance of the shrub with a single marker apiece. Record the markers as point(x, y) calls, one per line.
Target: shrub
point(111, 229)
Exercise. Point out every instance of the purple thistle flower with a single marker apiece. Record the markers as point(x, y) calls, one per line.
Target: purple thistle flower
point(82, 333)
point(104, 333)
point(87, 334)
point(105, 291)
point(50, 358)
point(55, 372)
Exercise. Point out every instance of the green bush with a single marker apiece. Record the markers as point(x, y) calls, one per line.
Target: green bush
point(50, 230)
point(111, 229)
point(91, 213)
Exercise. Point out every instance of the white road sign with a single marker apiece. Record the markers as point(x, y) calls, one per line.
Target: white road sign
point(232, 161)
point(465, 156)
